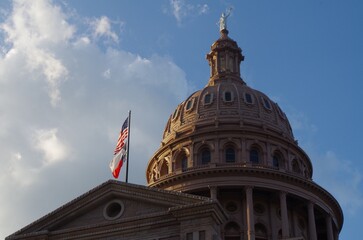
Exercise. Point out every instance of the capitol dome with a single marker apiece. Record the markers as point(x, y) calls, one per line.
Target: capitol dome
point(226, 106)
point(232, 143)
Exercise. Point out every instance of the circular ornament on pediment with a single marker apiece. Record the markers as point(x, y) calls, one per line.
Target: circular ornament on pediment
point(113, 210)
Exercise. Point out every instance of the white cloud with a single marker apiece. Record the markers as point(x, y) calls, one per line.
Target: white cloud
point(33, 28)
point(180, 9)
point(47, 141)
point(102, 28)
point(62, 101)
point(203, 9)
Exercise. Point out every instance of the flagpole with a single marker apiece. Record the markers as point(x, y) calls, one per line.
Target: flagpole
point(128, 147)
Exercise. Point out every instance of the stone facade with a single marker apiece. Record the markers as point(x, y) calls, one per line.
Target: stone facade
point(116, 210)
point(228, 168)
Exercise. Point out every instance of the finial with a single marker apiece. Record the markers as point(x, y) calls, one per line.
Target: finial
point(223, 19)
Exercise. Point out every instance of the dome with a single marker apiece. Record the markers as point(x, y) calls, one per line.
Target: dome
point(227, 113)
point(232, 143)
point(228, 102)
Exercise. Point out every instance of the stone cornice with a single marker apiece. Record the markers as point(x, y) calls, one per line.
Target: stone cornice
point(242, 175)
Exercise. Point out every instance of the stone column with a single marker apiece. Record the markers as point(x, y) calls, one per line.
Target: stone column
point(329, 227)
point(273, 221)
point(249, 211)
point(213, 192)
point(244, 151)
point(284, 216)
point(312, 226)
point(295, 224)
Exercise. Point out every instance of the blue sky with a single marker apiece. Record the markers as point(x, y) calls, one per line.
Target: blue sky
point(70, 71)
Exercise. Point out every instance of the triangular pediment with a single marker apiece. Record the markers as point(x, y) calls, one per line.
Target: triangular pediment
point(108, 204)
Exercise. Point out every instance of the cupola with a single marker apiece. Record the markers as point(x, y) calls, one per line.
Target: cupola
point(224, 59)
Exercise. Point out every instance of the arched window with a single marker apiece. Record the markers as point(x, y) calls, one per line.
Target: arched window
point(261, 232)
point(254, 156)
point(204, 156)
point(228, 96)
point(232, 231)
point(164, 170)
point(230, 155)
point(248, 98)
point(208, 98)
point(266, 103)
point(277, 160)
point(295, 166)
point(181, 162)
point(184, 163)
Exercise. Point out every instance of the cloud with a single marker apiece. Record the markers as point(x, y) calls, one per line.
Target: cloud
point(47, 141)
point(180, 9)
point(63, 98)
point(32, 29)
point(203, 9)
point(102, 28)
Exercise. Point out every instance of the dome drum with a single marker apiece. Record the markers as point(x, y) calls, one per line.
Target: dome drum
point(291, 158)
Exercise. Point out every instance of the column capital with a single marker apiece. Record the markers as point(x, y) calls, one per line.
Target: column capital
point(283, 193)
point(248, 187)
point(311, 203)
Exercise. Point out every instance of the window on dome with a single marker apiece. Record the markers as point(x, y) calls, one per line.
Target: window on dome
point(175, 114)
point(205, 156)
point(164, 170)
point(189, 104)
point(295, 166)
point(266, 103)
point(184, 163)
point(248, 98)
point(228, 96)
point(222, 64)
point(276, 160)
point(208, 98)
point(181, 162)
point(254, 156)
point(230, 155)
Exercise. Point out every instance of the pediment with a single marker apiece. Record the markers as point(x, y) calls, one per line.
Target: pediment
point(107, 204)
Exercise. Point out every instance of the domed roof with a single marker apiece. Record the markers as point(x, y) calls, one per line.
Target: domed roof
point(226, 116)
point(227, 100)
point(229, 141)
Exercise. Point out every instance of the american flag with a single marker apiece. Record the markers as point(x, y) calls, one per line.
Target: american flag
point(120, 153)
point(122, 137)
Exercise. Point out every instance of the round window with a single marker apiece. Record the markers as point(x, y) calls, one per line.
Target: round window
point(259, 208)
point(113, 210)
point(231, 207)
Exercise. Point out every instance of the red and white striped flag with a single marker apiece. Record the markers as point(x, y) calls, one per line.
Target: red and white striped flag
point(120, 153)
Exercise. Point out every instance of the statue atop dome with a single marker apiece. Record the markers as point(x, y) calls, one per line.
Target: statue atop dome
point(223, 20)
